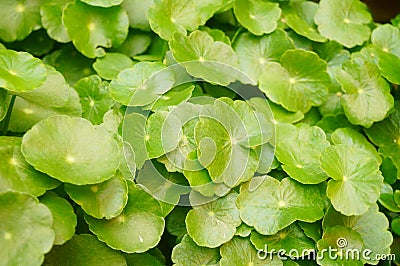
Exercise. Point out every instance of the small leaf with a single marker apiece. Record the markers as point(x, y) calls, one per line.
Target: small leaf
point(19, 18)
point(356, 179)
point(95, 98)
point(26, 225)
point(257, 16)
point(240, 251)
point(137, 229)
point(344, 21)
point(188, 253)
point(298, 82)
point(213, 61)
point(16, 174)
point(103, 3)
point(109, 66)
point(274, 205)
point(64, 218)
point(85, 250)
point(254, 52)
point(19, 71)
point(104, 200)
point(82, 154)
point(141, 84)
point(169, 16)
point(213, 224)
point(367, 96)
point(51, 13)
point(134, 132)
point(98, 28)
point(137, 13)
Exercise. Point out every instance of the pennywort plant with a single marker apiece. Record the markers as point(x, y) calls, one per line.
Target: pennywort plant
point(182, 132)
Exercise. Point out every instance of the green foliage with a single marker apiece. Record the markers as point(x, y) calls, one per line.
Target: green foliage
point(184, 132)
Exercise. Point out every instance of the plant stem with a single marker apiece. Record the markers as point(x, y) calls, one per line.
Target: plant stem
point(8, 115)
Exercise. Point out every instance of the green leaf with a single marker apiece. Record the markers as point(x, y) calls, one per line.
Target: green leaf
point(213, 61)
point(82, 154)
point(281, 202)
point(64, 218)
point(175, 222)
point(38, 43)
point(19, 18)
point(389, 66)
point(169, 16)
point(288, 239)
point(137, 13)
point(134, 132)
point(102, 3)
point(344, 240)
point(109, 66)
point(396, 226)
point(224, 134)
point(386, 135)
point(26, 114)
point(175, 96)
point(312, 230)
point(356, 179)
point(70, 63)
point(54, 92)
point(95, 98)
point(213, 224)
point(188, 253)
point(344, 21)
point(26, 226)
point(387, 38)
point(367, 96)
point(19, 71)
point(299, 16)
point(137, 229)
point(257, 16)
point(243, 230)
point(372, 226)
point(254, 52)
point(84, 250)
point(387, 200)
point(104, 200)
point(4, 102)
point(136, 43)
point(354, 138)
point(51, 13)
point(300, 155)
point(240, 251)
point(98, 28)
point(153, 257)
point(16, 174)
point(141, 84)
point(298, 82)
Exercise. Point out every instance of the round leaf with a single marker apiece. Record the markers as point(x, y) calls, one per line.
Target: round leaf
point(19, 71)
point(104, 200)
point(188, 253)
point(51, 13)
point(19, 18)
point(64, 218)
point(109, 66)
point(300, 155)
point(102, 3)
point(134, 132)
point(97, 29)
point(253, 52)
point(367, 97)
point(84, 250)
point(95, 98)
point(26, 226)
point(344, 21)
point(212, 224)
point(82, 154)
point(16, 174)
point(141, 84)
point(372, 226)
point(137, 229)
point(169, 16)
point(137, 12)
point(298, 82)
point(257, 16)
point(356, 179)
point(240, 251)
point(213, 61)
point(274, 205)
